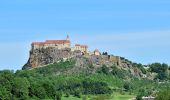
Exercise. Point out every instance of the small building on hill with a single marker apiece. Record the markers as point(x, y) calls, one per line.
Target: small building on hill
point(96, 52)
point(82, 48)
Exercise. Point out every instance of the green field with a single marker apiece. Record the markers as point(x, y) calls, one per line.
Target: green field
point(115, 96)
point(118, 96)
point(71, 98)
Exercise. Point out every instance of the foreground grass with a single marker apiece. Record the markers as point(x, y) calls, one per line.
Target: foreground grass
point(115, 96)
point(118, 96)
point(71, 98)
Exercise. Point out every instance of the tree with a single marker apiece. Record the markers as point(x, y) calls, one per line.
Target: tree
point(92, 87)
point(140, 94)
point(67, 95)
point(127, 86)
point(162, 76)
point(58, 95)
point(20, 88)
point(49, 88)
point(4, 93)
point(160, 69)
point(36, 89)
point(6, 78)
point(104, 53)
point(139, 97)
point(77, 94)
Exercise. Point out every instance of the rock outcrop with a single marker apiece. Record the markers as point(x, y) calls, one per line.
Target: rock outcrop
point(41, 57)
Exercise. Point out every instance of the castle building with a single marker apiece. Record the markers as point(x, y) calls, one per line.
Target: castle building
point(83, 48)
point(52, 43)
point(59, 44)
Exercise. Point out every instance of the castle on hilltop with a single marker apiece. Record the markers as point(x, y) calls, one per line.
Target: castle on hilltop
point(59, 44)
point(51, 51)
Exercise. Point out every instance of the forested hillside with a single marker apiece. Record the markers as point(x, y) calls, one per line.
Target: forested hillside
point(58, 81)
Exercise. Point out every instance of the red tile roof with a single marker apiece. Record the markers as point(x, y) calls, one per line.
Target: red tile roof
point(52, 42)
point(77, 44)
point(96, 50)
point(57, 41)
point(82, 46)
point(37, 43)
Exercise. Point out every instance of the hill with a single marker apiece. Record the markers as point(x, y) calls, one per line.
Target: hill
point(68, 80)
point(64, 80)
point(83, 62)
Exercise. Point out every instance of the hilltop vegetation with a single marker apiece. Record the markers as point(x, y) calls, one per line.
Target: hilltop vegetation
point(55, 81)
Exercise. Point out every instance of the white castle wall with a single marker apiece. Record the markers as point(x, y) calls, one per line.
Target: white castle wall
point(59, 46)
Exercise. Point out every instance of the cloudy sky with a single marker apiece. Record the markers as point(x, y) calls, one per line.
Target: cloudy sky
point(136, 29)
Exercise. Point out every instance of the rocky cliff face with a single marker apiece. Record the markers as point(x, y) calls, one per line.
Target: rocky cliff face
point(41, 57)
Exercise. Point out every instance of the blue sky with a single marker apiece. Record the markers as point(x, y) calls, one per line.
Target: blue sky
point(136, 29)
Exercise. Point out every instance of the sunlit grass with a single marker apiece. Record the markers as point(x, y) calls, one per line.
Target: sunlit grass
point(114, 96)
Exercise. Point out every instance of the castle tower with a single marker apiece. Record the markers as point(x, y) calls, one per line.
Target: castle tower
point(67, 38)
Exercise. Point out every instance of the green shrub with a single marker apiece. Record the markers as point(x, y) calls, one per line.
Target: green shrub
point(118, 72)
point(104, 69)
point(163, 95)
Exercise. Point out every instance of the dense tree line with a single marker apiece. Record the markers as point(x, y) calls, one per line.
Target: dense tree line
point(22, 88)
point(36, 84)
